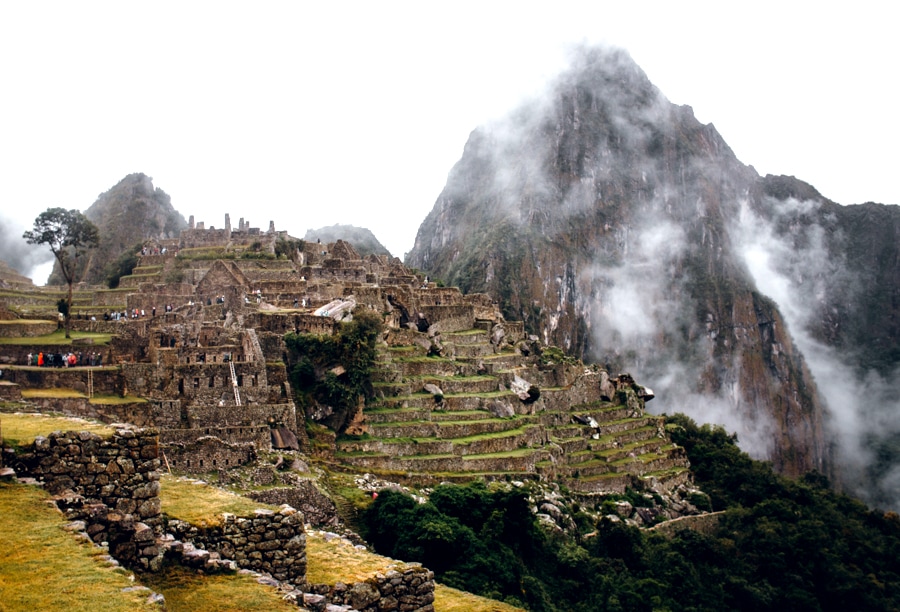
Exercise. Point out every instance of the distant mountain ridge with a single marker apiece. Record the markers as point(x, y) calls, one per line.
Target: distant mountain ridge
point(127, 214)
point(362, 239)
point(617, 226)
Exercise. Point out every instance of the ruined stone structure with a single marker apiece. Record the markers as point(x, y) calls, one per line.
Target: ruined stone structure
point(461, 392)
point(110, 488)
point(198, 331)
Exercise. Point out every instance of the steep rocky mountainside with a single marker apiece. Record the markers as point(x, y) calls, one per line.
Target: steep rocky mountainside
point(620, 228)
point(362, 239)
point(129, 213)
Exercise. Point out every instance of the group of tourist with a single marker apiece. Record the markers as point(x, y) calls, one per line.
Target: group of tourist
point(155, 251)
point(63, 360)
point(134, 313)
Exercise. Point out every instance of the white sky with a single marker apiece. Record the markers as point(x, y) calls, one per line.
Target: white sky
point(315, 113)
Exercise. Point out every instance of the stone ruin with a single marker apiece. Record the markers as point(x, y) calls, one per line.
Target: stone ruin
point(199, 336)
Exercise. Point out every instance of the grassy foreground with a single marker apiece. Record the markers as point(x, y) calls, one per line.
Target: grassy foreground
point(328, 562)
point(20, 429)
point(43, 567)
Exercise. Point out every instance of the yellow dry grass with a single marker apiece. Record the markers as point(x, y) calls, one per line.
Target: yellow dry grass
point(117, 399)
point(20, 429)
point(187, 591)
point(201, 504)
point(332, 561)
point(447, 599)
point(328, 562)
point(60, 393)
point(43, 567)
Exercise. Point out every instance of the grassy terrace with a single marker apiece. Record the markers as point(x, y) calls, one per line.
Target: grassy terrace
point(21, 429)
point(500, 355)
point(525, 418)
point(486, 394)
point(465, 440)
point(58, 338)
point(187, 591)
point(476, 378)
point(26, 322)
point(328, 562)
point(624, 448)
point(403, 349)
point(648, 457)
point(467, 332)
point(200, 504)
point(519, 452)
point(422, 359)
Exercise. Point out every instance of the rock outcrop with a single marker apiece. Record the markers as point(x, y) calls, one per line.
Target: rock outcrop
point(129, 213)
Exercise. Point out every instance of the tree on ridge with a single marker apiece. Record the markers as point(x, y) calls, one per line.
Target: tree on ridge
point(69, 234)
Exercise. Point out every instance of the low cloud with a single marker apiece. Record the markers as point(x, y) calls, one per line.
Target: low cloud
point(861, 405)
point(24, 258)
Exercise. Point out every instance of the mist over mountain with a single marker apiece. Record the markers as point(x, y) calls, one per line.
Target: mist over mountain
point(620, 228)
point(362, 239)
point(127, 214)
point(22, 257)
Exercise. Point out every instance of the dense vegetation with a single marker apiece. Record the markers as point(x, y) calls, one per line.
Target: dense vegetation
point(122, 266)
point(781, 544)
point(335, 370)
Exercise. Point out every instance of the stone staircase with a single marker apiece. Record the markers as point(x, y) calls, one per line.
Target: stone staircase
point(478, 427)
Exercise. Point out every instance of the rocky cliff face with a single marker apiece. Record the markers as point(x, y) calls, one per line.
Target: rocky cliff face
point(616, 226)
point(129, 213)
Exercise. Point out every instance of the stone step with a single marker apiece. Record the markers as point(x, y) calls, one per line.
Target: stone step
point(425, 401)
point(603, 413)
point(473, 351)
point(471, 336)
point(651, 462)
point(594, 467)
point(668, 479)
point(479, 401)
point(602, 483)
point(499, 361)
point(417, 367)
point(392, 388)
point(632, 449)
point(522, 460)
point(397, 415)
point(463, 384)
point(395, 448)
point(387, 373)
point(409, 350)
point(627, 424)
point(459, 415)
point(500, 442)
point(445, 430)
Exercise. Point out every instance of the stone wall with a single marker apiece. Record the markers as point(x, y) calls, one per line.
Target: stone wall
point(113, 492)
point(409, 590)
point(16, 329)
point(138, 413)
point(207, 453)
point(317, 508)
point(120, 472)
point(449, 318)
point(270, 542)
point(701, 523)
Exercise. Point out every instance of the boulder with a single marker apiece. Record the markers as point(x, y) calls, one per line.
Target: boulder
point(500, 409)
point(524, 390)
point(434, 390)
